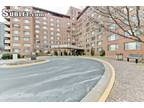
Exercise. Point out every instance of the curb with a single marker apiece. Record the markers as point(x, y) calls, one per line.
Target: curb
point(24, 65)
point(103, 88)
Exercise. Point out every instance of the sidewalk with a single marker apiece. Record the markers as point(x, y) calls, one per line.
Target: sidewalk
point(129, 84)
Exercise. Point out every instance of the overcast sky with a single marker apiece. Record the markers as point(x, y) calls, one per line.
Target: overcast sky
point(62, 6)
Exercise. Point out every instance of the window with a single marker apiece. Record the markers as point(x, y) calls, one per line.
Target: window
point(52, 24)
point(26, 27)
point(113, 26)
point(113, 37)
point(52, 33)
point(26, 33)
point(58, 34)
point(16, 32)
point(44, 27)
point(37, 26)
point(45, 42)
point(37, 21)
point(16, 20)
point(51, 19)
point(133, 46)
point(16, 44)
point(26, 21)
point(44, 23)
point(58, 25)
point(26, 9)
point(26, 38)
point(45, 37)
point(27, 45)
point(52, 38)
point(16, 38)
point(99, 49)
point(37, 36)
point(99, 43)
point(58, 29)
point(44, 18)
point(37, 31)
point(113, 47)
point(16, 25)
point(16, 50)
point(51, 28)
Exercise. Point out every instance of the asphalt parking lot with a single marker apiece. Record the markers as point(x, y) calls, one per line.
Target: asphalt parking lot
point(61, 79)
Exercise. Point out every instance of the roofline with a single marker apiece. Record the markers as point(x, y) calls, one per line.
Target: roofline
point(55, 13)
point(82, 12)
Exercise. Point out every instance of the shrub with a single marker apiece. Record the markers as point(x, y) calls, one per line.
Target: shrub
point(92, 52)
point(102, 53)
point(7, 56)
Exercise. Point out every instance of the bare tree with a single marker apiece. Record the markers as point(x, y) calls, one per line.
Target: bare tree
point(128, 20)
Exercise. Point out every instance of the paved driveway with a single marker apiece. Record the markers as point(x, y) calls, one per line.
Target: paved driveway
point(61, 79)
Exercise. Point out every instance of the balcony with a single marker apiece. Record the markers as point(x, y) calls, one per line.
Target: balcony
point(7, 29)
point(7, 48)
point(7, 22)
point(8, 19)
point(7, 41)
point(7, 35)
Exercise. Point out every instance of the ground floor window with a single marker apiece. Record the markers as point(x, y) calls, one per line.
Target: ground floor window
point(113, 47)
point(132, 46)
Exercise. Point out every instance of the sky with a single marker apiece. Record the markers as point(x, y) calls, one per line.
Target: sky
point(62, 6)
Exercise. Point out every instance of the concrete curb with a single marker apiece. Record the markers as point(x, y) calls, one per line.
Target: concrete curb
point(103, 88)
point(24, 65)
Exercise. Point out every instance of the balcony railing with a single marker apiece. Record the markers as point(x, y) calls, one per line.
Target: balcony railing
point(7, 29)
point(6, 41)
point(7, 47)
point(7, 35)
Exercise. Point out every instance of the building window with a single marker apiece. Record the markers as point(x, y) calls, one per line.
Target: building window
point(99, 49)
point(58, 25)
point(26, 27)
point(16, 20)
point(113, 47)
point(37, 31)
point(51, 28)
point(52, 33)
point(44, 27)
point(26, 21)
point(113, 26)
point(113, 37)
point(16, 38)
point(58, 34)
point(133, 46)
point(16, 25)
point(51, 19)
point(27, 45)
point(16, 44)
point(16, 50)
point(26, 38)
point(26, 33)
point(99, 43)
point(37, 26)
point(58, 30)
point(15, 32)
point(52, 38)
point(45, 37)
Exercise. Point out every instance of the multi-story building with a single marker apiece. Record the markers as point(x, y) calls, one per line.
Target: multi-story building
point(90, 34)
point(49, 32)
point(78, 31)
point(2, 33)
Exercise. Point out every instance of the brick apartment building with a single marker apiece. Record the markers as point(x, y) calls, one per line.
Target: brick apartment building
point(61, 33)
point(48, 33)
point(91, 36)
point(2, 33)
